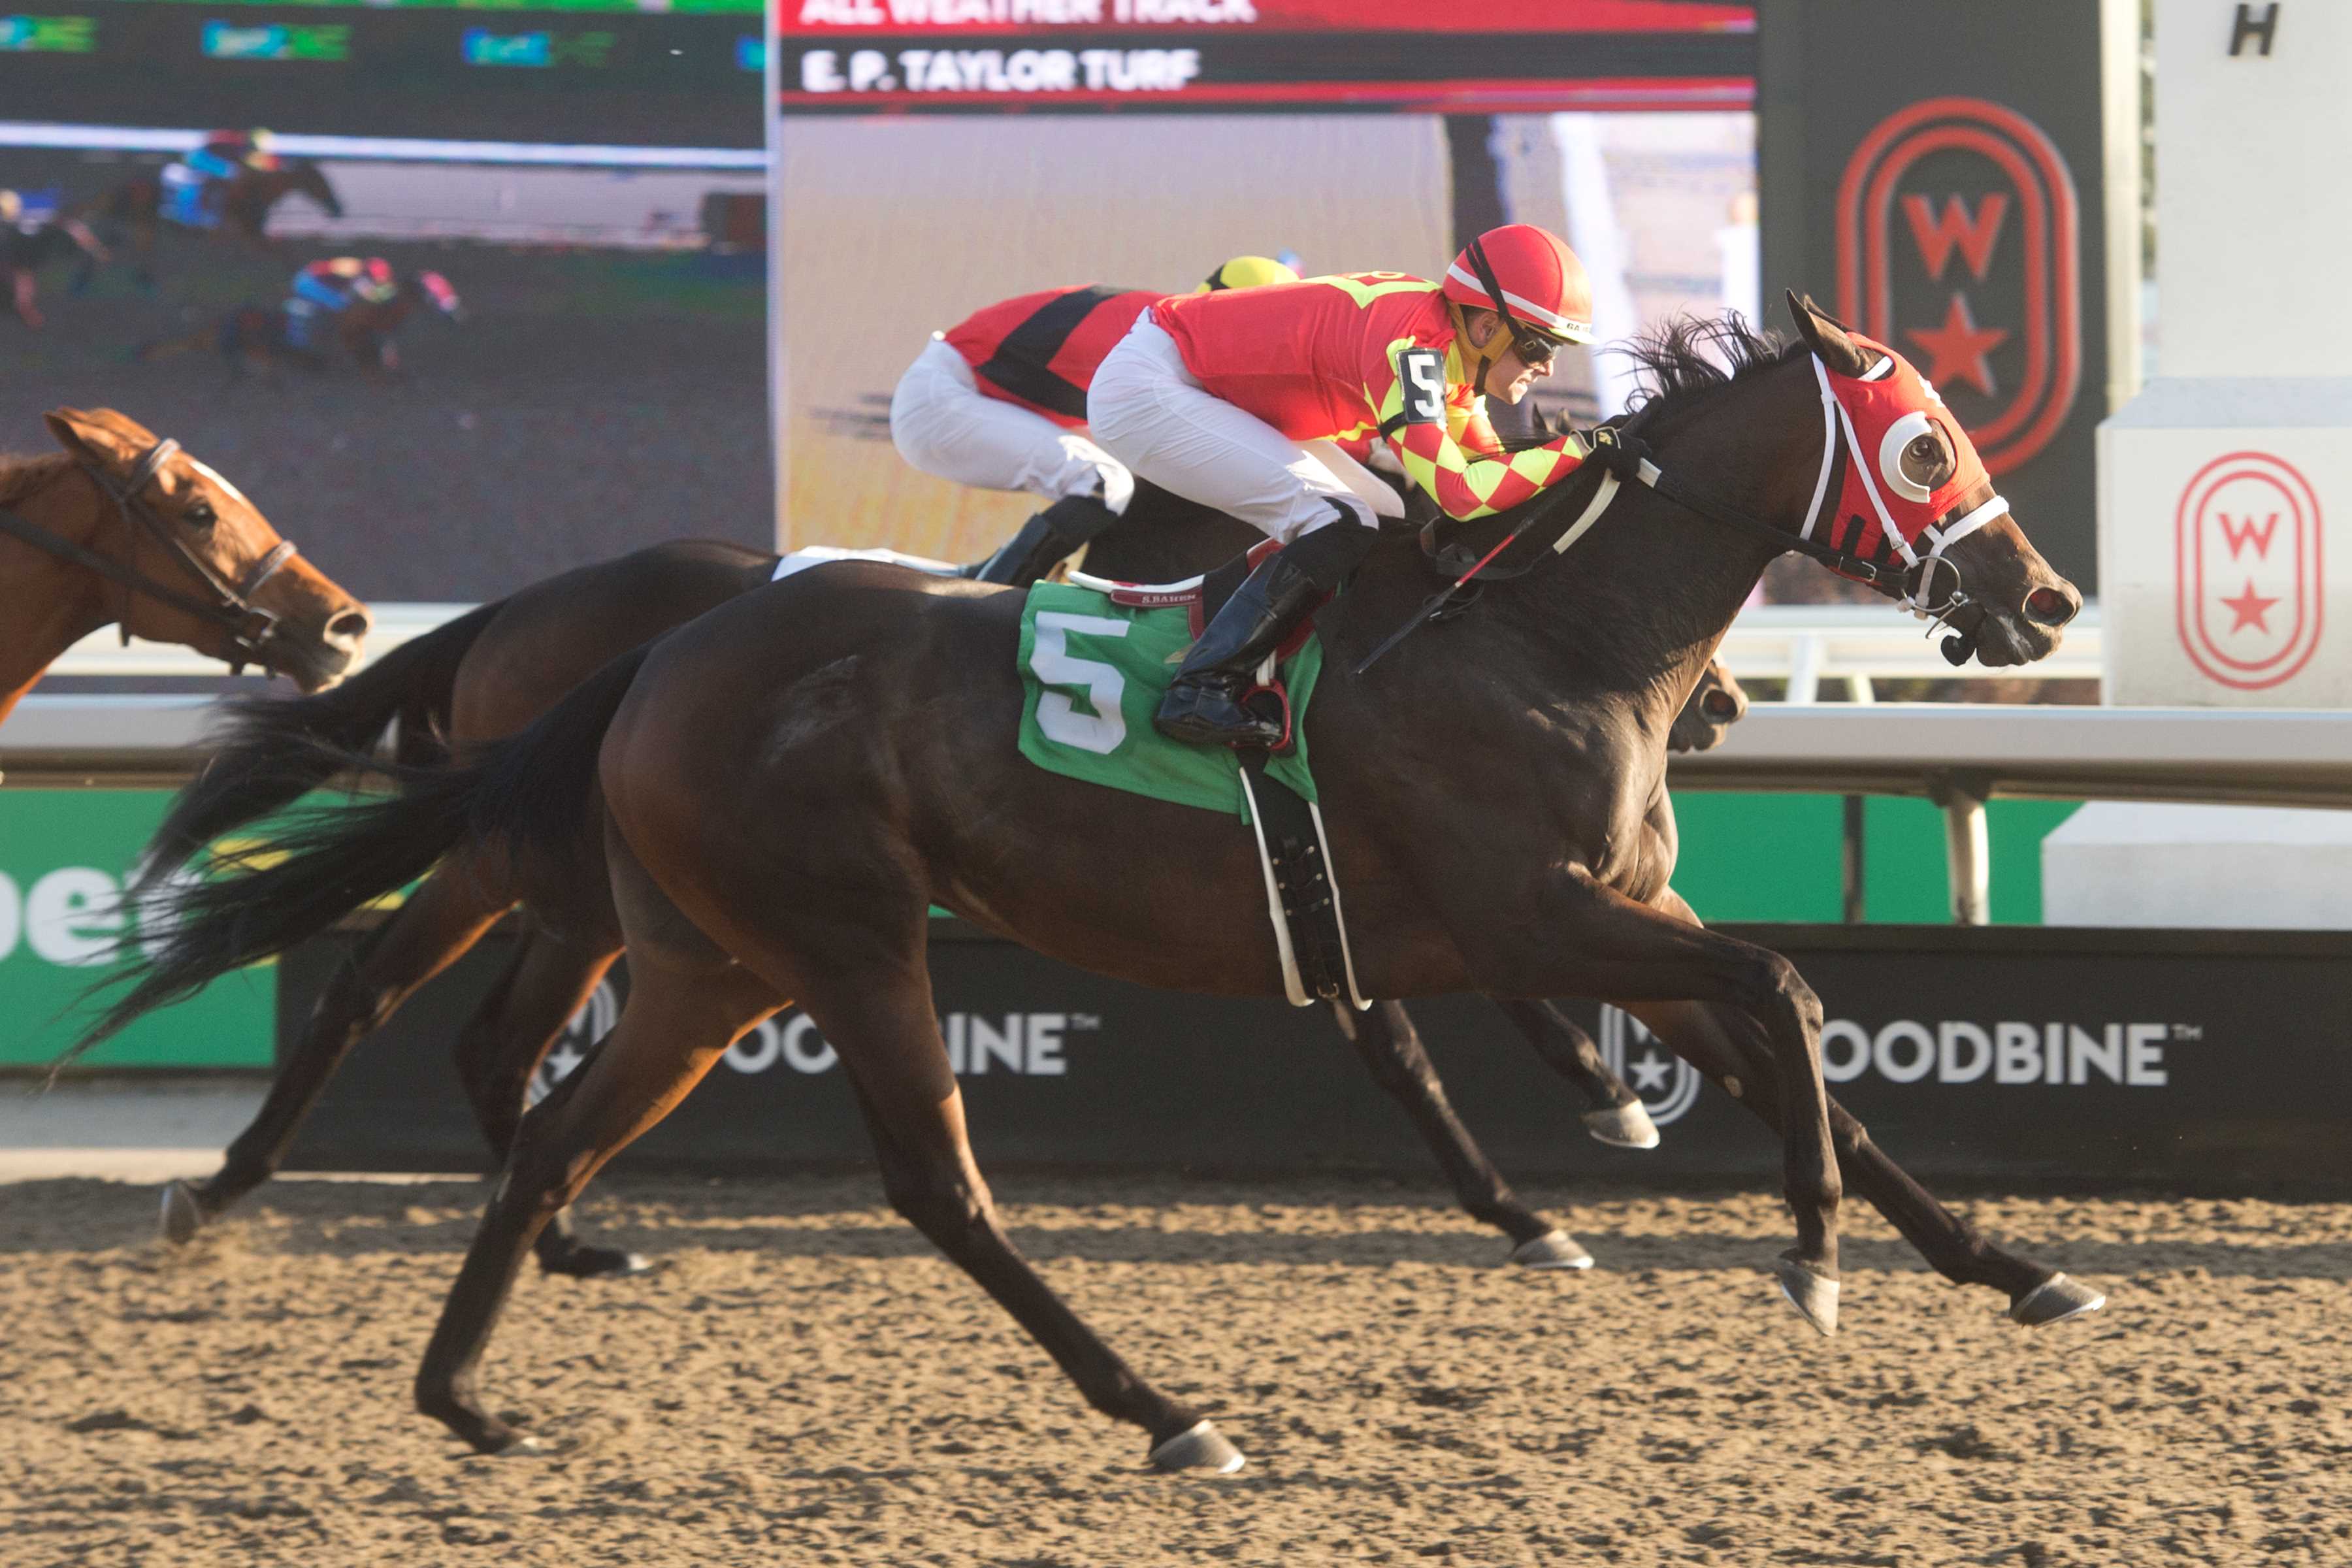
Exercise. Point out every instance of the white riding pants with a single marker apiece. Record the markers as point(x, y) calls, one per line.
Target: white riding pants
point(1148, 411)
point(944, 425)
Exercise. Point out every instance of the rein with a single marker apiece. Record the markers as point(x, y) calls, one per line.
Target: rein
point(250, 627)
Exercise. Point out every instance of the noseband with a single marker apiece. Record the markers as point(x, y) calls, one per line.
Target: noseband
point(250, 627)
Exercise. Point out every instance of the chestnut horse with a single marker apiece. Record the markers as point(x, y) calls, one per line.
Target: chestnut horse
point(257, 340)
point(124, 528)
point(782, 788)
point(491, 672)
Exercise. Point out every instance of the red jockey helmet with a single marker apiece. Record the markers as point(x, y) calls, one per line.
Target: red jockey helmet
point(1542, 283)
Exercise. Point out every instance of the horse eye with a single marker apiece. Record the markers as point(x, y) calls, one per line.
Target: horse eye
point(199, 514)
point(1925, 461)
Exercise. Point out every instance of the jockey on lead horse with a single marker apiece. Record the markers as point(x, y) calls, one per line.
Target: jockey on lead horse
point(999, 400)
point(1215, 397)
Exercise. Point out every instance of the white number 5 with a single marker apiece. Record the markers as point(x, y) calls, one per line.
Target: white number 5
point(1102, 731)
point(1424, 395)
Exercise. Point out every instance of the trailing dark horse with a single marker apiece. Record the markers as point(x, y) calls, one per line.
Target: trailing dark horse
point(258, 339)
point(240, 206)
point(492, 671)
point(123, 529)
point(790, 781)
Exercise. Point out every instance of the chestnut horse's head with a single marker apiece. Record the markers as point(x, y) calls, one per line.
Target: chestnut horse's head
point(1910, 490)
point(233, 588)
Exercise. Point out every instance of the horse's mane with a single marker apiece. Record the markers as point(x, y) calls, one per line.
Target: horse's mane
point(20, 472)
point(1682, 361)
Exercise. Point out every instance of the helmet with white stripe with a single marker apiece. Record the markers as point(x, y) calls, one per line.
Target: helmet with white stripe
point(1541, 283)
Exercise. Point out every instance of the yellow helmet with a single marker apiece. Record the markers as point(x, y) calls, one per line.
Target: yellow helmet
point(1248, 272)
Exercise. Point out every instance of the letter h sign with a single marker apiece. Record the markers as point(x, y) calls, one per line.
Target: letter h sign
point(2248, 28)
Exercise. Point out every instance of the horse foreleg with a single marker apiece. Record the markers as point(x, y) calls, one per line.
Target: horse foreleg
point(1595, 941)
point(549, 979)
point(1617, 1116)
point(1385, 1038)
point(1726, 1047)
point(447, 915)
point(677, 1024)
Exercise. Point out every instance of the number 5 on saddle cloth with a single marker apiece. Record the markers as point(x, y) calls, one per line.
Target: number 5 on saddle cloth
point(1095, 657)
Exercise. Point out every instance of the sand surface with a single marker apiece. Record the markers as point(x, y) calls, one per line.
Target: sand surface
point(802, 1381)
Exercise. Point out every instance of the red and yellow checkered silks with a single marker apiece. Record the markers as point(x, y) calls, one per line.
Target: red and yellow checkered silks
point(1467, 476)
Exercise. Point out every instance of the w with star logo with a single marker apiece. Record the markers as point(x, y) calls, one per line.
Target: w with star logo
point(1667, 1085)
point(1958, 243)
point(2249, 592)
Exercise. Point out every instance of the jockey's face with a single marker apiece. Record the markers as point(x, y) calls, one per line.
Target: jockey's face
point(1510, 375)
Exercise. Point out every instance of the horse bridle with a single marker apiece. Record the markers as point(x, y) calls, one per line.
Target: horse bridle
point(1621, 456)
point(250, 627)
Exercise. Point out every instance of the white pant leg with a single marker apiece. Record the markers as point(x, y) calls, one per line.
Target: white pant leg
point(944, 425)
point(1147, 410)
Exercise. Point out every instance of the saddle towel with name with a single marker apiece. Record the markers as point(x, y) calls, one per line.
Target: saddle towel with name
point(1095, 659)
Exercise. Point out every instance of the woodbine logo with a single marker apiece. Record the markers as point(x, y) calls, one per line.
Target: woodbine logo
point(2010, 1052)
point(73, 917)
point(1028, 1044)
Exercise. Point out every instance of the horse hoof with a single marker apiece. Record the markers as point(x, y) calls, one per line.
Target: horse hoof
point(2055, 1300)
point(1622, 1127)
point(1552, 1249)
point(1200, 1447)
point(183, 1216)
point(526, 1448)
point(1813, 1294)
point(598, 1263)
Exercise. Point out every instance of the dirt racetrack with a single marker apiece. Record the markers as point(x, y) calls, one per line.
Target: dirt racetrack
point(803, 1382)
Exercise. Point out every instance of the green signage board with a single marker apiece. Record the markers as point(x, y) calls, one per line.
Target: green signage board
point(63, 856)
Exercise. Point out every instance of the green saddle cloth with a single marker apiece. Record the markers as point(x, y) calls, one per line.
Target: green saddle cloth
point(1092, 673)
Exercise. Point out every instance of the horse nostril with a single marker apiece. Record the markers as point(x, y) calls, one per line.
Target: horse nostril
point(350, 627)
point(2051, 606)
point(1719, 706)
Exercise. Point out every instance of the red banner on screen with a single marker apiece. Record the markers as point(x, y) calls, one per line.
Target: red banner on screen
point(801, 18)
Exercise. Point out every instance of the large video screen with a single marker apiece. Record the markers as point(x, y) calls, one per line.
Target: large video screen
point(597, 72)
point(941, 155)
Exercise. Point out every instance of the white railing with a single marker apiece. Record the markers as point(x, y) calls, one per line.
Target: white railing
point(1847, 648)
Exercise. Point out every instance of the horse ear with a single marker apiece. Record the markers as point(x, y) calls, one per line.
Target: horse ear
point(100, 435)
point(1826, 336)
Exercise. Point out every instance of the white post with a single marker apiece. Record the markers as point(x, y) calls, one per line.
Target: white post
point(2225, 487)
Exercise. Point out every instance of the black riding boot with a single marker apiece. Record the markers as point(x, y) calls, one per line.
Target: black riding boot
point(1043, 541)
point(1203, 704)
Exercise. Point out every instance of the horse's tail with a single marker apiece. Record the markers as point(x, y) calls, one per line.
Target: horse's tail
point(273, 750)
point(527, 795)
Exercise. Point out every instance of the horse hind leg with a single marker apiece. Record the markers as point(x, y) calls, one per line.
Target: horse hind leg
point(677, 1021)
point(447, 915)
point(882, 1023)
point(547, 980)
point(1616, 1116)
point(1385, 1038)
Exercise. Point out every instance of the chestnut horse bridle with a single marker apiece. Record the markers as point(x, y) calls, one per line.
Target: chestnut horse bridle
point(250, 627)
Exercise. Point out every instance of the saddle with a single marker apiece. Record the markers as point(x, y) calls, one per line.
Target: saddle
point(1294, 853)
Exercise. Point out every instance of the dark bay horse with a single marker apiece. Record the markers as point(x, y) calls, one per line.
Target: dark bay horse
point(789, 782)
point(120, 528)
point(242, 206)
point(494, 670)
